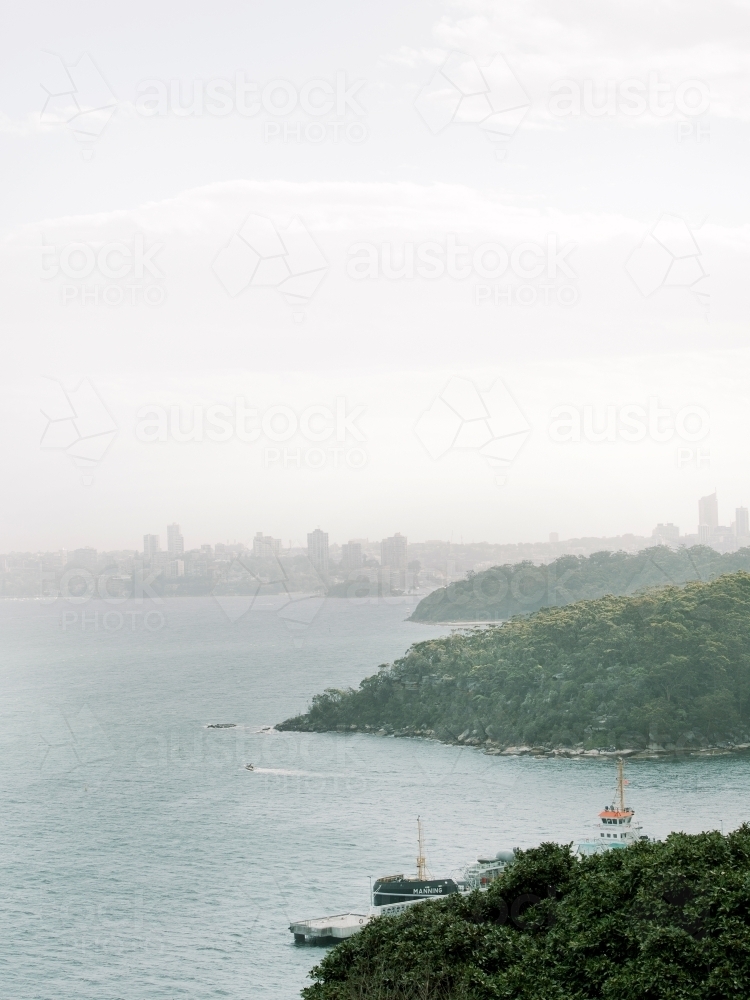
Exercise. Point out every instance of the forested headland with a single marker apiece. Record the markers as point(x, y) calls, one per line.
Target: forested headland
point(669, 667)
point(501, 592)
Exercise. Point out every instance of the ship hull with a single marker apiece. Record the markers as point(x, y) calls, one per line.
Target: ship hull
point(386, 892)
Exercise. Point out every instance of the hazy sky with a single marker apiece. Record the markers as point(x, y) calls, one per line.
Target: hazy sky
point(474, 270)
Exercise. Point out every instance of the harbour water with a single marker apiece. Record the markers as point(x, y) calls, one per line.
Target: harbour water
point(140, 858)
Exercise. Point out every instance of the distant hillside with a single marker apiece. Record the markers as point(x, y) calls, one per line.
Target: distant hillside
point(671, 665)
point(504, 591)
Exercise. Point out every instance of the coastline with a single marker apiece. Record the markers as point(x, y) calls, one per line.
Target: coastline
point(493, 749)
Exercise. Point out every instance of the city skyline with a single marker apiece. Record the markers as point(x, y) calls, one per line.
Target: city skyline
point(707, 517)
point(398, 565)
point(409, 480)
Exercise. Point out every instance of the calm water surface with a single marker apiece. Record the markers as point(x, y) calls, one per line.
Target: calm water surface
point(140, 859)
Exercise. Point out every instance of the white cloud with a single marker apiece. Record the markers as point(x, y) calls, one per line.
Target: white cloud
point(210, 215)
point(335, 207)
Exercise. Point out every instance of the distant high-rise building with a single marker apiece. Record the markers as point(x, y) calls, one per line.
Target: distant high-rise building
point(264, 547)
point(317, 551)
point(666, 532)
point(704, 534)
point(351, 556)
point(554, 537)
point(741, 521)
point(150, 546)
point(708, 512)
point(393, 551)
point(175, 541)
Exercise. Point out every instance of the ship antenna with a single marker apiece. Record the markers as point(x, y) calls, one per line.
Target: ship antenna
point(421, 862)
point(620, 784)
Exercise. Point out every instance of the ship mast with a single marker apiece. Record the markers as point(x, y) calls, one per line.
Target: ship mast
point(421, 861)
point(620, 785)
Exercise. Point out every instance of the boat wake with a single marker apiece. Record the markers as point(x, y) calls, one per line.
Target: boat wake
point(287, 772)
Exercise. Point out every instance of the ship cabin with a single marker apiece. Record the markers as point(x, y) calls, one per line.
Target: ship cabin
point(615, 825)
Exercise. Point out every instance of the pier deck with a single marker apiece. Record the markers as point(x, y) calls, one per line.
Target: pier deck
point(328, 930)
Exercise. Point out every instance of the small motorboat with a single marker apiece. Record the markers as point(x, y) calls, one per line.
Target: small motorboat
point(250, 767)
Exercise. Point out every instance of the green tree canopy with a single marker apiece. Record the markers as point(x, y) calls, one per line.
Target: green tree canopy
point(501, 592)
point(656, 921)
point(670, 665)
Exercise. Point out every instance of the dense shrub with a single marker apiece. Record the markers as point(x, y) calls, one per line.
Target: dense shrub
point(657, 921)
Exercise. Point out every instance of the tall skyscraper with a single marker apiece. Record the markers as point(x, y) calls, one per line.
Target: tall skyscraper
point(150, 547)
point(708, 512)
point(351, 556)
point(393, 551)
point(741, 521)
point(317, 551)
point(175, 541)
point(264, 547)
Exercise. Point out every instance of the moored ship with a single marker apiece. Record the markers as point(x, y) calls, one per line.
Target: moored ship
point(393, 893)
point(615, 828)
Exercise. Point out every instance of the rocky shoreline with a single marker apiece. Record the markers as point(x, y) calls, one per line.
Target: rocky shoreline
point(494, 749)
point(649, 753)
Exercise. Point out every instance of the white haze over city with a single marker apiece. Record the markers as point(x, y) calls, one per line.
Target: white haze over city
point(462, 271)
